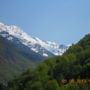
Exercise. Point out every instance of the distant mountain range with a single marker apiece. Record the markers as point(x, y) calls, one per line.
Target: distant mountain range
point(44, 48)
point(19, 51)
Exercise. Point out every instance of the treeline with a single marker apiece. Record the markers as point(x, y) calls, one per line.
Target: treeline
point(73, 65)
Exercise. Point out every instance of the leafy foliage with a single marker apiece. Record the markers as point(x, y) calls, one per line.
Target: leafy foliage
point(74, 64)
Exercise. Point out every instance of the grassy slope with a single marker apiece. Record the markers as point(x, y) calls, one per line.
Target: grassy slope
point(11, 61)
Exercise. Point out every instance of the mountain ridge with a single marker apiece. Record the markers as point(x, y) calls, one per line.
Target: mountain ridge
point(36, 44)
point(19, 51)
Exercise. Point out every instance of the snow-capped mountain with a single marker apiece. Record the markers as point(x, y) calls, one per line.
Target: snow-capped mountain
point(35, 44)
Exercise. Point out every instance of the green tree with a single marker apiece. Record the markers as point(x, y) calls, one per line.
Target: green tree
point(52, 85)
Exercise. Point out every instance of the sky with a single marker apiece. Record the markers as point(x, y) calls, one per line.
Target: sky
point(60, 21)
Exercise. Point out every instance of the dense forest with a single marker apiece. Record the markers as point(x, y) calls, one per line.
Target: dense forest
point(71, 71)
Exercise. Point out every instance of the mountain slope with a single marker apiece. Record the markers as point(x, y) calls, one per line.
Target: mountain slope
point(19, 51)
point(44, 48)
point(73, 65)
point(15, 59)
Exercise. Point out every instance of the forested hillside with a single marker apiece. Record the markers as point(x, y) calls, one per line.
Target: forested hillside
point(68, 72)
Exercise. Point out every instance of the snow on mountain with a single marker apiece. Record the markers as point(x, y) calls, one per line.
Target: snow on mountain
point(35, 44)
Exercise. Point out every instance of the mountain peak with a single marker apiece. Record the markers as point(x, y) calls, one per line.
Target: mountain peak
point(35, 44)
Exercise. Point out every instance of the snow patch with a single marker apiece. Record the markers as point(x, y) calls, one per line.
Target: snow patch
point(44, 54)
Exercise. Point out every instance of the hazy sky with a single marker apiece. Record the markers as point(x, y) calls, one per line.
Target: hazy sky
point(61, 21)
